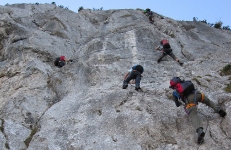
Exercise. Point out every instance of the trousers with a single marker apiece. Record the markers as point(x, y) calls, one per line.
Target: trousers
point(133, 75)
point(192, 111)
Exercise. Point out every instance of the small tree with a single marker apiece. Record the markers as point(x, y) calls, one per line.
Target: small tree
point(226, 70)
point(53, 3)
point(218, 25)
point(80, 8)
point(195, 18)
point(61, 6)
point(226, 28)
point(204, 21)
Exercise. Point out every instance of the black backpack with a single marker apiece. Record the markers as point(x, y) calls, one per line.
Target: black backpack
point(138, 68)
point(59, 63)
point(184, 88)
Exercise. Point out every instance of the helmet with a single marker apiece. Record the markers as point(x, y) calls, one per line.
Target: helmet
point(174, 81)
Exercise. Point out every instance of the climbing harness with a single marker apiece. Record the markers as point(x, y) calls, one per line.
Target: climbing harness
point(189, 105)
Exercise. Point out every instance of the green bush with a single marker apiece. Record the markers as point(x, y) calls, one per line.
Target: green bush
point(228, 88)
point(98, 9)
point(7, 146)
point(226, 28)
point(197, 81)
point(28, 140)
point(80, 8)
point(218, 25)
point(204, 21)
point(226, 70)
point(172, 35)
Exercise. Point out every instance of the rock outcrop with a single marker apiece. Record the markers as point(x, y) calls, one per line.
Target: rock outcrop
point(82, 105)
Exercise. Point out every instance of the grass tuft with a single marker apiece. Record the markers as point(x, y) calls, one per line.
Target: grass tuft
point(33, 132)
point(228, 88)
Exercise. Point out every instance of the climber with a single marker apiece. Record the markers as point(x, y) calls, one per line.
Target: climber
point(167, 51)
point(61, 61)
point(185, 94)
point(135, 74)
point(149, 14)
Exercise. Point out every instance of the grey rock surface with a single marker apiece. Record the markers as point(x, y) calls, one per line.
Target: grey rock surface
point(82, 105)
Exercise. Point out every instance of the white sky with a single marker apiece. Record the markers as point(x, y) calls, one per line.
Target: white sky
point(211, 10)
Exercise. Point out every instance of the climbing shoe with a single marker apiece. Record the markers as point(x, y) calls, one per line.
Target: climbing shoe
point(181, 63)
point(201, 135)
point(125, 86)
point(222, 113)
point(138, 89)
point(71, 60)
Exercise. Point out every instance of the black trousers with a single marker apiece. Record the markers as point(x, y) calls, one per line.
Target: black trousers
point(167, 52)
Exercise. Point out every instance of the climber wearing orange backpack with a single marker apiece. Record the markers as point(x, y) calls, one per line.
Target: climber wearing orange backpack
point(185, 94)
point(166, 49)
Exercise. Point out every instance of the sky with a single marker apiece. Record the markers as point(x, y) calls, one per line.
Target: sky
point(210, 10)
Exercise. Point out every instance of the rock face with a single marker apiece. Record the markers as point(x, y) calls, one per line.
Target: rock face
point(82, 106)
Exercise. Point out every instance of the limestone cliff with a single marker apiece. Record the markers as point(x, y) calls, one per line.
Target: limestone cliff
point(82, 105)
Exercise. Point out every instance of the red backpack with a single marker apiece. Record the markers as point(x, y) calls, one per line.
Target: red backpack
point(164, 41)
point(184, 88)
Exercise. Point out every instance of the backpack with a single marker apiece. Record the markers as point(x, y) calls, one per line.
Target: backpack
point(138, 68)
point(164, 41)
point(59, 63)
point(184, 88)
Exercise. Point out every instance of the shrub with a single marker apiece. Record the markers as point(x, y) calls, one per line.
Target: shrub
point(208, 80)
point(204, 21)
point(226, 70)
point(53, 3)
point(208, 75)
point(226, 28)
point(195, 18)
point(228, 88)
point(80, 8)
point(98, 9)
point(7, 146)
point(197, 81)
point(172, 35)
point(218, 25)
point(28, 140)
